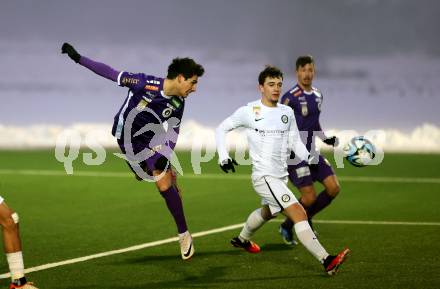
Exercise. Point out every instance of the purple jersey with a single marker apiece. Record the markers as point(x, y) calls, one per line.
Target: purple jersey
point(147, 108)
point(307, 108)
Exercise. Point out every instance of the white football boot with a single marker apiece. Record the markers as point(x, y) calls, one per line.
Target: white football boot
point(186, 245)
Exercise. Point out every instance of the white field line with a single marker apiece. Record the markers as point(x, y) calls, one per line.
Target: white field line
point(125, 250)
point(355, 222)
point(205, 233)
point(208, 176)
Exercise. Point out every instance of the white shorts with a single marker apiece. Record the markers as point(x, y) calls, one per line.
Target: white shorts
point(274, 193)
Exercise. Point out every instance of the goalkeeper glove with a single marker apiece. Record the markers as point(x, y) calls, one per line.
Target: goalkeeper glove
point(71, 52)
point(228, 164)
point(332, 141)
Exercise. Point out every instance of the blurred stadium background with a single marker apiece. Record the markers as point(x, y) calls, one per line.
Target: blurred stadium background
point(378, 64)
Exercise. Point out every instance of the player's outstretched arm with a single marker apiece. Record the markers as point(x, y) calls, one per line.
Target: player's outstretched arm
point(295, 143)
point(238, 119)
point(99, 68)
point(331, 141)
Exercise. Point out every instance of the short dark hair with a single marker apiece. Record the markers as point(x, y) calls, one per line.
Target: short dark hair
point(303, 60)
point(269, 71)
point(185, 66)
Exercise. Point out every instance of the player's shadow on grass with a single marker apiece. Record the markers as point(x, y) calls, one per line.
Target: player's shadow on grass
point(147, 259)
point(212, 277)
point(228, 252)
point(277, 247)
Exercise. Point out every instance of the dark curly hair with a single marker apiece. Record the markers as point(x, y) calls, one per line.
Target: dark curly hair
point(269, 71)
point(185, 66)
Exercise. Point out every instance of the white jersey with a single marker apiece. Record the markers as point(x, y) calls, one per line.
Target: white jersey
point(272, 134)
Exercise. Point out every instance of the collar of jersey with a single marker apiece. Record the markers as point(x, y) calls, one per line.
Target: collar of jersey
point(165, 96)
point(269, 107)
point(303, 91)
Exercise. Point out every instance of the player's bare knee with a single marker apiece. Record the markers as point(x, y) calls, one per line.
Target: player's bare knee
point(299, 210)
point(333, 190)
point(163, 186)
point(296, 213)
point(308, 199)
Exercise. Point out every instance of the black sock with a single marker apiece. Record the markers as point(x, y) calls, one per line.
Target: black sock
point(19, 282)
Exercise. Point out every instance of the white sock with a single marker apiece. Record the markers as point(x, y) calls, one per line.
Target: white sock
point(309, 240)
point(253, 223)
point(16, 266)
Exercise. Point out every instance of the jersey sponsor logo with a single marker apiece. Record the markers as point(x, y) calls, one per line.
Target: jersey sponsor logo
point(302, 172)
point(129, 80)
point(285, 198)
point(304, 109)
point(176, 102)
point(293, 90)
point(150, 94)
point(270, 132)
point(142, 104)
point(151, 87)
point(284, 118)
point(152, 81)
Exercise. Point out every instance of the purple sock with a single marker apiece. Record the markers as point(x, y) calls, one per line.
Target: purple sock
point(322, 201)
point(287, 224)
point(174, 204)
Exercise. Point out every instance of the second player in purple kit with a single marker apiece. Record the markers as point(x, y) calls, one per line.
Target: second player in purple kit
point(306, 101)
point(147, 126)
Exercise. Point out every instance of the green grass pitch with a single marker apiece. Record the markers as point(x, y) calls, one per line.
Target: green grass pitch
point(69, 216)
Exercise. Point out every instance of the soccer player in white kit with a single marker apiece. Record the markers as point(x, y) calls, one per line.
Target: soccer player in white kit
point(12, 246)
point(272, 134)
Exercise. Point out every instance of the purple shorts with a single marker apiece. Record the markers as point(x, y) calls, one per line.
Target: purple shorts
point(302, 175)
point(153, 161)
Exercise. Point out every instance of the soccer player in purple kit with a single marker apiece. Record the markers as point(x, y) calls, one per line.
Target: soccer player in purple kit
point(306, 100)
point(147, 126)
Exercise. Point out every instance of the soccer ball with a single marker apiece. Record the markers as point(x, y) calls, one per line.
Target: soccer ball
point(359, 151)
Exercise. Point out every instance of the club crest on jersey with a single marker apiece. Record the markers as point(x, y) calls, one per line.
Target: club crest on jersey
point(285, 198)
point(167, 112)
point(304, 109)
point(284, 118)
point(286, 102)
